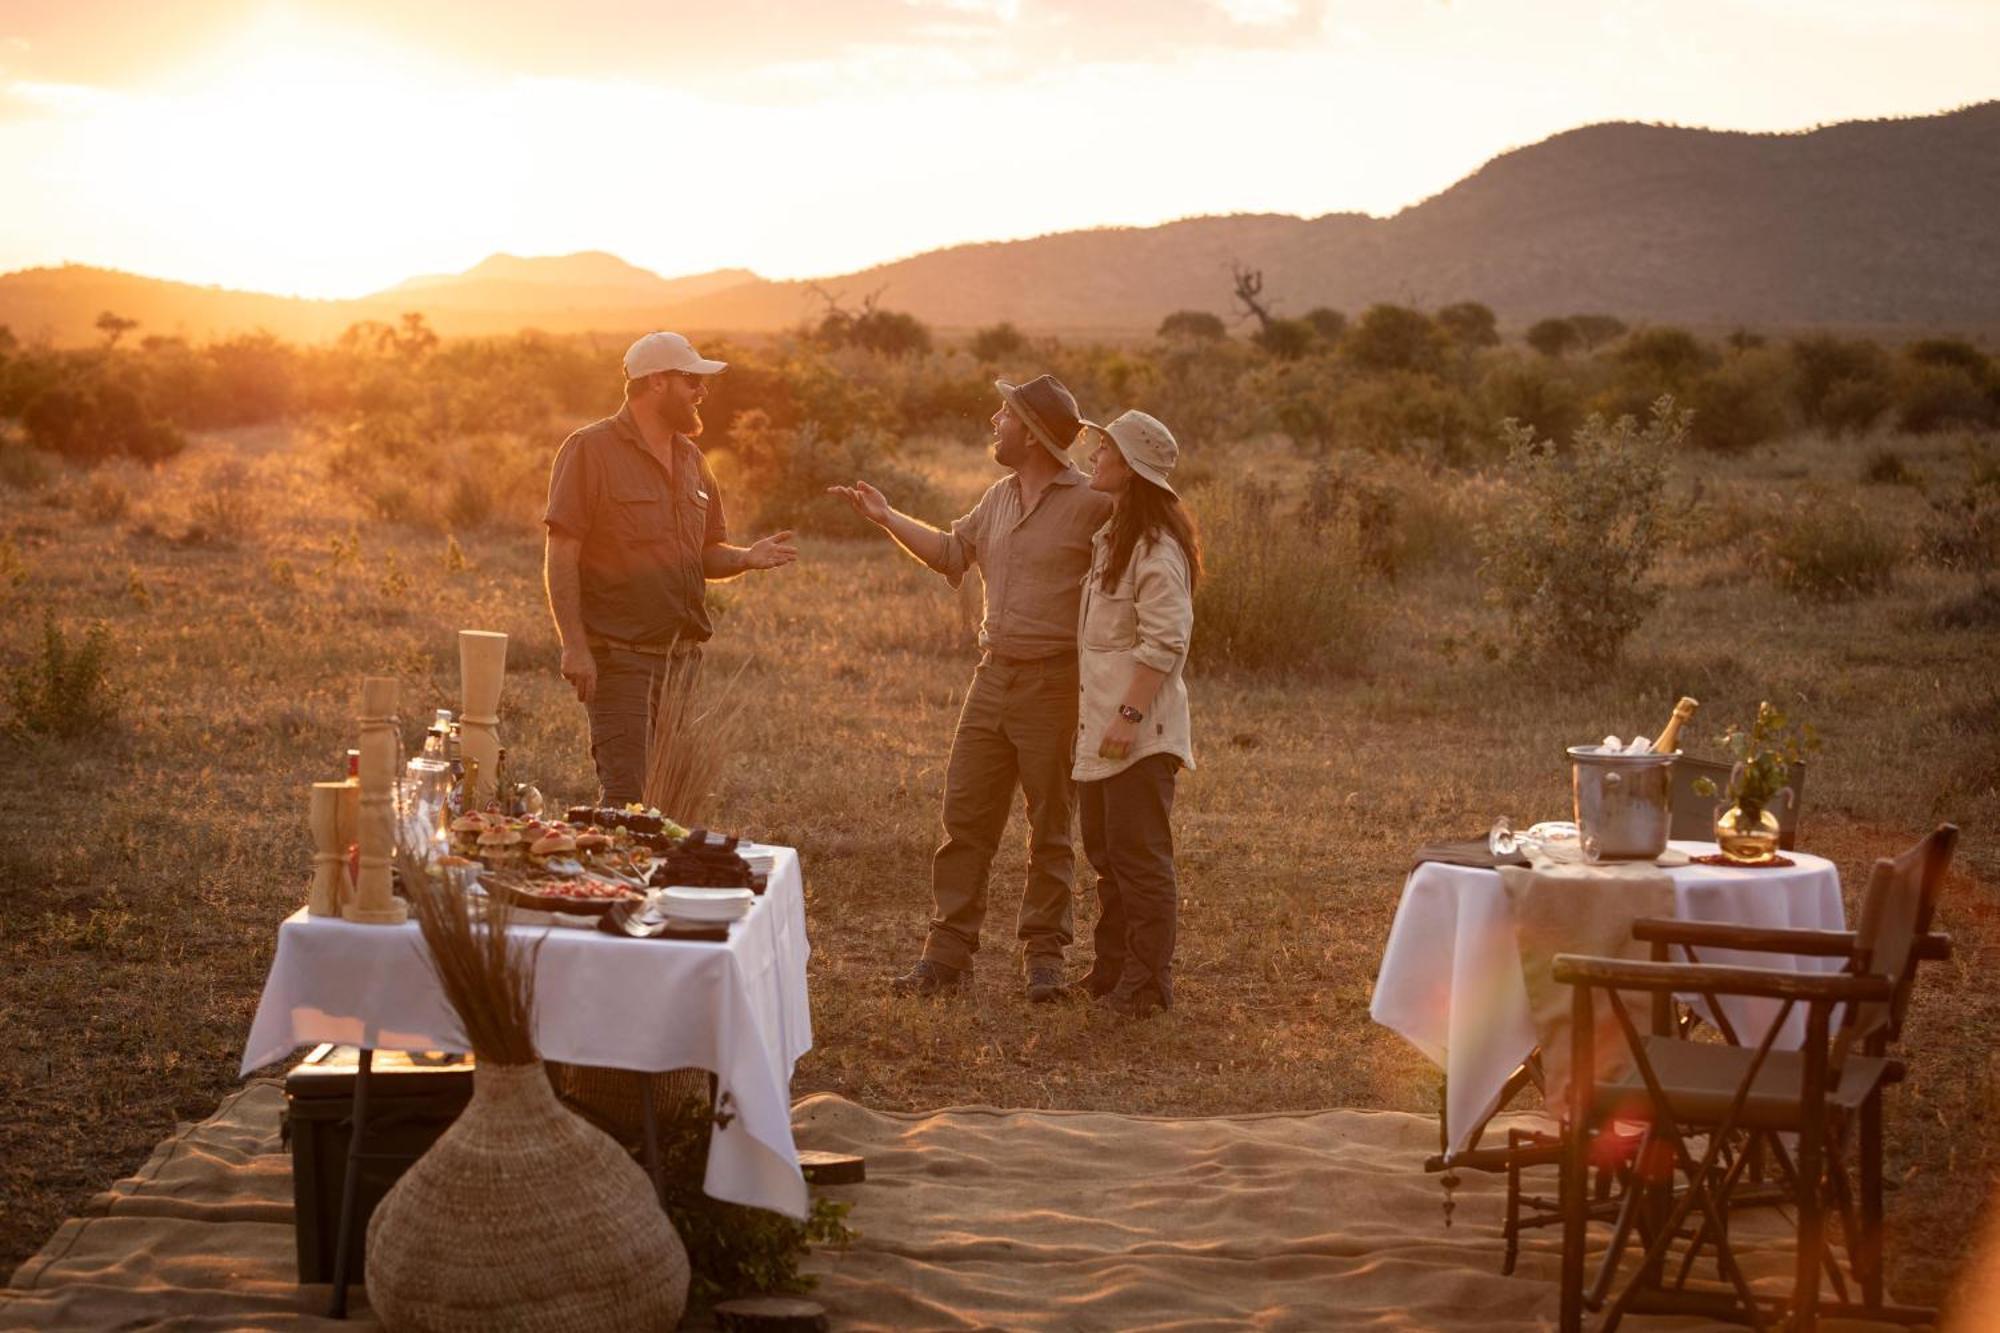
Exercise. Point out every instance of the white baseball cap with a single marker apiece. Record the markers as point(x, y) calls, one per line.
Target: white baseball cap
point(667, 351)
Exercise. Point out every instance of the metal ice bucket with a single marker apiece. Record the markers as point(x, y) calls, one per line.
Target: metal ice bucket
point(1622, 801)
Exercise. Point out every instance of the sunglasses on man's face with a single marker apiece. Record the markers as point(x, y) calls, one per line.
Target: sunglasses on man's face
point(698, 381)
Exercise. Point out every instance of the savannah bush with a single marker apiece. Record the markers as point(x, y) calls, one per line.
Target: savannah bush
point(1571, 562)
point(1741, 403)
point(1840, 384)
point(1407, 412)
point(65, 690)
point(1826, 551)
point(1532, 393)
point(998, 342)
point(1932, 398)
point(23, 468)
point(780, 476)
point(1885, 467)
point(1282, 592)
point(225, 504)
point(1963, 529)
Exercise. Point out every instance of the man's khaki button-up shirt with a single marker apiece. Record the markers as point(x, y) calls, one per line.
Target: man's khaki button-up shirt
point(1032, 561)
point(643, 527)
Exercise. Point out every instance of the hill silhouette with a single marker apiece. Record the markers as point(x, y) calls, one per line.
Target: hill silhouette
point(1883, 223)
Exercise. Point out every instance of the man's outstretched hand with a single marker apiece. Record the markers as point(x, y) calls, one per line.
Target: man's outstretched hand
point(865, 501)
point(770, 552)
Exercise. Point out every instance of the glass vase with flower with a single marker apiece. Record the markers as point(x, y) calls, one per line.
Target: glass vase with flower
point(1747, 829)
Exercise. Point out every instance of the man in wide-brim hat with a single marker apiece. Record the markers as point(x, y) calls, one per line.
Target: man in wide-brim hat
point(1030, 536)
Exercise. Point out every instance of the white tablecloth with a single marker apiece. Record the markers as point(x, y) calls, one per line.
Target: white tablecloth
point(738, 1009)
point(1451, 976)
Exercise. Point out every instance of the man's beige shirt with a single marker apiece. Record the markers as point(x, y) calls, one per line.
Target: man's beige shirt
point(1032, 561)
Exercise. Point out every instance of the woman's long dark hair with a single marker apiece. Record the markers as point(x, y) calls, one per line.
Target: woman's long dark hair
point(1146, 510)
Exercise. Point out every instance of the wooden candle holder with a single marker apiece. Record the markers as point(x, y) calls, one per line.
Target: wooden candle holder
point(329, 878)
point(482, 666)
point(374, 900)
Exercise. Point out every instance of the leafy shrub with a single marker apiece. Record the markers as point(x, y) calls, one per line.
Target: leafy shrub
point(1826, 551)
point(225, 506)
point(1469, 325)
point(1963, 531)
point(1594, 331)
point(1285, 339)
point(1402, 412)
point(1839, 383)
point(1931, 398)
point(1739, 404)
point(65, 690)
point(1327, 323)
point(1280, 593)
point(1532, 393)
point(1553, 337)
point(1663, 360)
point(1193, 326)
point(999, 342)
point(23, 468)
point(782, 476)
point(1886, 467)
point(1571, 562)
point(105, 499)
point(1393, 337)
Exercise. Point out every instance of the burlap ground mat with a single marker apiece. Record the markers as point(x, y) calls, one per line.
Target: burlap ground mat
point(970, 1218)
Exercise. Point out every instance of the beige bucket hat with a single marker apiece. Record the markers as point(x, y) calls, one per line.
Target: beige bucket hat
point(1048, 410)
point(1145, 443)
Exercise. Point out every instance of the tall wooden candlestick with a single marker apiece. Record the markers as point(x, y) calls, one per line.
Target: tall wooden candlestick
point(482, 665)
point(329, 850)
point(374, 903)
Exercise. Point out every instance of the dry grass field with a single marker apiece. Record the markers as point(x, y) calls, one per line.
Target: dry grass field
point(143, 870)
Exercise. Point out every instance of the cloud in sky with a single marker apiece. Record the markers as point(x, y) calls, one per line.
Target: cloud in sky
point(333, 148)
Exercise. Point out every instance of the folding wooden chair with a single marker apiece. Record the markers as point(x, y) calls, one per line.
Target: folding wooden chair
point(1698, 1100)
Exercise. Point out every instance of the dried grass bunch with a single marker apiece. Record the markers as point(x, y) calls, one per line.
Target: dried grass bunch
point(488, 977)
point(697, 726)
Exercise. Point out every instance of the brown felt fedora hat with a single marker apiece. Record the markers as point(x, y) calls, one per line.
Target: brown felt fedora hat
point(1047, 409)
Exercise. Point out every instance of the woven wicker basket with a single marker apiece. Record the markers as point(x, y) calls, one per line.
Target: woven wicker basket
point(522, 1216)
point(612, 1099)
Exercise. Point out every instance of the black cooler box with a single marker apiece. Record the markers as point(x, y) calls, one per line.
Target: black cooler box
point(411, 1100)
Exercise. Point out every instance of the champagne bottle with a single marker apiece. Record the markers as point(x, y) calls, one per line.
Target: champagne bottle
point(1670, 736)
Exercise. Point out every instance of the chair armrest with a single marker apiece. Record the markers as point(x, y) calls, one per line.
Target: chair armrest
point(1764, 982)
point(1750, 939)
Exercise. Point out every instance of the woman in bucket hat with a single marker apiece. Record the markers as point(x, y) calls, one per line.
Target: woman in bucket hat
point(1132, 732)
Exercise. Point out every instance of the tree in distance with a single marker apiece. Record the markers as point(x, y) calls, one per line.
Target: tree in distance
point(1395, 337)
point(1554, 338)
point(1192, 326)
point(1597, 330)
point(1327, 322)
point(1000, 341)
point(1470, 324)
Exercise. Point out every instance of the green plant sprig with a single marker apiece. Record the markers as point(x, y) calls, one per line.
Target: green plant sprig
point(1764, 755)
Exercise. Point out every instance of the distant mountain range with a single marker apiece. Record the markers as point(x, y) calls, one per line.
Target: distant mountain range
point(1890, 224)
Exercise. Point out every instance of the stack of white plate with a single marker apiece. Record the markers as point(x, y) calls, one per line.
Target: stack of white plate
point(703, 906)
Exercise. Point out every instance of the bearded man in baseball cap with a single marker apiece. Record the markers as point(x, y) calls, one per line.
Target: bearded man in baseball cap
point(635, 533)
point(1030, 535)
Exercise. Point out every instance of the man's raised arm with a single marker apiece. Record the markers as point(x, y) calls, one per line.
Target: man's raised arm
point(936, 549)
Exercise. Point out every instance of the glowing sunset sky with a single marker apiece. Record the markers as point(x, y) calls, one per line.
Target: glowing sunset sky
point(333, 147)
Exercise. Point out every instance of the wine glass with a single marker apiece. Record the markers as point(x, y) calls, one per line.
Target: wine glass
point(1543, 844)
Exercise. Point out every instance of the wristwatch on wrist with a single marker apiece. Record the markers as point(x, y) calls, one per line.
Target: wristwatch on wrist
point(1131, 714)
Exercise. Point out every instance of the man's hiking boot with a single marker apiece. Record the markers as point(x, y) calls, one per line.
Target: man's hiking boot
point(1045, 983)
point(1091, 986)
point(930, 978)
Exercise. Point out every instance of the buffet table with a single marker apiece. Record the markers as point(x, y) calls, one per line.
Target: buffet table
point(1451, 979)
point(737, 1008)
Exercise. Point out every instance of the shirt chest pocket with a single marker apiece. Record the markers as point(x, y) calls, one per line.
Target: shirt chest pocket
point(1111, 619)
point(640, 516)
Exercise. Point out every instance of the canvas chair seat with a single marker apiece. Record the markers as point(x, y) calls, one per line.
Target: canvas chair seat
point(1701, 1081)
